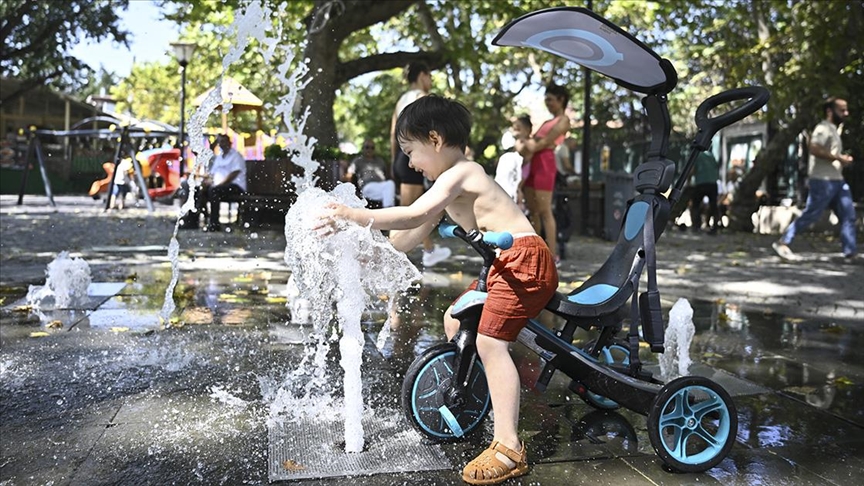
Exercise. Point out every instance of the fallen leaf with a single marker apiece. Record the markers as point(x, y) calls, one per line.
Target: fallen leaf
point(55, 324)
point(834, 329)
point(23, 308)
point(290, 465)
point(119, 329)
point(38, 334)
point(843, 381)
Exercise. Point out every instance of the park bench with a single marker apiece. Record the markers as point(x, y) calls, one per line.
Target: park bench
point(269, 193)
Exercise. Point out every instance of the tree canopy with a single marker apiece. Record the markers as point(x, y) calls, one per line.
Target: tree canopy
point(801, 51)
point(37, 36)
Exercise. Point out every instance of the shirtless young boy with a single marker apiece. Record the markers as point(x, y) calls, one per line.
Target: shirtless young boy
point(434, 132)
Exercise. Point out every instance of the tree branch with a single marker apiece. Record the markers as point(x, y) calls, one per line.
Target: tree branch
point(382, 62)
point(430, 25)
point(14, 19)
point(359, 14)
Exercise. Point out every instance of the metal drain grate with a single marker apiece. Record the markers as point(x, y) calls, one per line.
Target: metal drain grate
point(305, 449)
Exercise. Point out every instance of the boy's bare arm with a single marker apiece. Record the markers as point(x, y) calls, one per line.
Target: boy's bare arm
point(407, 240)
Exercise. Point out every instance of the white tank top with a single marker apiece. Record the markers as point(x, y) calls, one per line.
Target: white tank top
point(408, 98)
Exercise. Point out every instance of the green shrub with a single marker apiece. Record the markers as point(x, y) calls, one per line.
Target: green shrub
point(275, 151)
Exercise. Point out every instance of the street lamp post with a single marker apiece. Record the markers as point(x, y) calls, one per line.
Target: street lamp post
point(183, 52)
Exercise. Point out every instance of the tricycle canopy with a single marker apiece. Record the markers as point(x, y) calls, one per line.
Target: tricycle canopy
point(579, 35)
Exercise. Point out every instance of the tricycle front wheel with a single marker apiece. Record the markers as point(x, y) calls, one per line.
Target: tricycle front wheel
point(692, 424)
point(425, 395)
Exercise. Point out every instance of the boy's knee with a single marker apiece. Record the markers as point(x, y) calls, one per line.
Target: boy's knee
point(488, 344)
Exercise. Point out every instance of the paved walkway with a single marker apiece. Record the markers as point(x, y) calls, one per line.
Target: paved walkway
point(106, 398)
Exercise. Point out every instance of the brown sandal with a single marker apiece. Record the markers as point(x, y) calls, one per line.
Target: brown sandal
point(488, 469)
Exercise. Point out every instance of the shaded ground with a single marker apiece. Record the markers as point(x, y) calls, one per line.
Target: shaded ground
point(107, 398)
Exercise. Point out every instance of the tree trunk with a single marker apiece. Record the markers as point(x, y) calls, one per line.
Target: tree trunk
point(745, 204)
point(320, 94)
point(327, 72)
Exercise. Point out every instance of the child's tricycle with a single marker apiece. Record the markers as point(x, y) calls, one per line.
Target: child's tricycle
point(692, 422)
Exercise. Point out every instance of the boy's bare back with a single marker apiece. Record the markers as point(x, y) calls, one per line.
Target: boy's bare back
point(477, 201)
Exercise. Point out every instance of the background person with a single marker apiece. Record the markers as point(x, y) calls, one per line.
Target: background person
point(510, 170)
point(540, 183)
point(227, 177)
point(409, 181)
point(122, 183)
point(564, 159)
point(705, 175)
point(370, 171)
point(825, 182)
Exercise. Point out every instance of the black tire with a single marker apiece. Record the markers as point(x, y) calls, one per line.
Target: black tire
point(424, 393)
point(616, 353)
point(692, 424)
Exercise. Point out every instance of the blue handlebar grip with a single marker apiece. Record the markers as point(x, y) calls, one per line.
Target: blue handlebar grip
point(446, 230)
point(502, 240)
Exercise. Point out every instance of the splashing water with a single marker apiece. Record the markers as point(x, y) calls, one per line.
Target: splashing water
point(346, 270)
point(675, 360)
point(246, 26)
point(343, 271)
point(66, 283)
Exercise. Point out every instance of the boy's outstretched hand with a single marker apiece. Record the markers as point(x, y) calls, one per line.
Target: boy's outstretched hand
point(331, 219)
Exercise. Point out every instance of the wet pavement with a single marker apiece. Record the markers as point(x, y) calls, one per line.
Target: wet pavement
point(101, 394)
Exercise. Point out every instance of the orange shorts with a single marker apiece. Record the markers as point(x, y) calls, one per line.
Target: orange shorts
point(520, 283)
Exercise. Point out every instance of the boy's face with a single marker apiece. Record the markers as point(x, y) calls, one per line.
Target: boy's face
point(422, 156)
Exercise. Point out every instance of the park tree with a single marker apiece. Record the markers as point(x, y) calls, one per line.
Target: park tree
point(349, 39)
point(355, 49)
point(36, 38)
point(801, 51)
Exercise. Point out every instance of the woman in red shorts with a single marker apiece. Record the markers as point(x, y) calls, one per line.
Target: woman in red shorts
point(541, 179)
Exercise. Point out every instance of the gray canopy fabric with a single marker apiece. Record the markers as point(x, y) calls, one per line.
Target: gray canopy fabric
point(581, 36)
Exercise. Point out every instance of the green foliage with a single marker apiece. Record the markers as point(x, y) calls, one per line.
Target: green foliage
point(713, 44)
point(275, 152)
point(97, 83)
point(36, 37)
point(152, 90)
point(327, 152)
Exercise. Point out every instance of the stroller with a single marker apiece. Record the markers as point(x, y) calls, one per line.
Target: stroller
point(692, 421)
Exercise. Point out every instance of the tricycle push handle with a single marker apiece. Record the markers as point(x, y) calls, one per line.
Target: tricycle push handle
point(503, 240)
point(757, 96)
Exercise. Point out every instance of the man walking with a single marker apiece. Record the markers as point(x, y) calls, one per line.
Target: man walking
point(826, 184)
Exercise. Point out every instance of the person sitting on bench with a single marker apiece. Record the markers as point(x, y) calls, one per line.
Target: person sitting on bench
point(227, 177)
point(370, 172)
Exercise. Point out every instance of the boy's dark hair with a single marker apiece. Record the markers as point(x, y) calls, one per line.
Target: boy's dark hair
point(559, 91)
point(449, 118)
point(413, 71)
point(525, 119)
